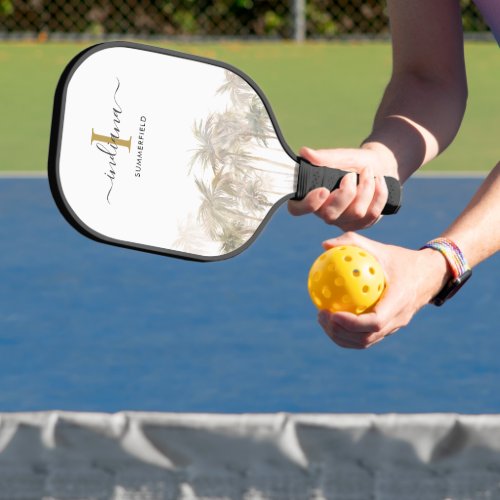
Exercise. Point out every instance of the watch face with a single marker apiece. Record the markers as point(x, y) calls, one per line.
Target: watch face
point(451, 288)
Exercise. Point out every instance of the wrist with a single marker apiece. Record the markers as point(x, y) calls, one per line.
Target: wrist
point(386, 157)
point(437, 272)
point(457, 265)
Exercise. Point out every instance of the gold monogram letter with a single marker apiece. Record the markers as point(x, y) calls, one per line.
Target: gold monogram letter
point(109, 140)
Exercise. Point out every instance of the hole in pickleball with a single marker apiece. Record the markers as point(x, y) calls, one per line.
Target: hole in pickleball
point(339, 281)
point(348, 258)
point(360, 309)
point(327, 293)
point(372, 270)
point(317, 300)
point(346, 299)
point(366, 289)
point(379, 287)
point(356, 273)
point(362, 254)
point(317, 276)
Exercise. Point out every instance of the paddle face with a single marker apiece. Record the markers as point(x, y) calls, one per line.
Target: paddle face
point(164, 152)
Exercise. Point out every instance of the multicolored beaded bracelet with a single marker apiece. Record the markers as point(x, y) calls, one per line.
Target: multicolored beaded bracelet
point(459, 267)
point(452, 254)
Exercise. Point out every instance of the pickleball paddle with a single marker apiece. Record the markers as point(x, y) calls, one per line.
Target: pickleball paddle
point(171, 153)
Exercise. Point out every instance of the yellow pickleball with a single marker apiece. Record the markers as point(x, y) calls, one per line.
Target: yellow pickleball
point(346, 278)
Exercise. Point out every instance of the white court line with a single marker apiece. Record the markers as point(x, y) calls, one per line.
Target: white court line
point(22, 175)
point(454, 174)
point(431, 174)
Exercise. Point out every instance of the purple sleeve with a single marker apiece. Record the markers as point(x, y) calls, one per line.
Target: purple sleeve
point(490, 9)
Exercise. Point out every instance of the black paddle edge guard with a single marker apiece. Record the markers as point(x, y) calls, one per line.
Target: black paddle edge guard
point(57, 125)
point(312, 177)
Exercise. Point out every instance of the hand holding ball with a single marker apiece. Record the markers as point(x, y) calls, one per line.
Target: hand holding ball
point(346, 278)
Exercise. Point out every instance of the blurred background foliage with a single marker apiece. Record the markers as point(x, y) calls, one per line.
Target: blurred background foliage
point(205, 18)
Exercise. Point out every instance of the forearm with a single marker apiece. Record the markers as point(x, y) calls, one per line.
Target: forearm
point(416, 120)
point(424, 103)
point(477, 230)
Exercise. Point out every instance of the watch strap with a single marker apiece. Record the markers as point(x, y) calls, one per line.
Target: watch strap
point(457, 263)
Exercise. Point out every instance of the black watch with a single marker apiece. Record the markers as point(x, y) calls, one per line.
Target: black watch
point(458, 265)
point(451, 288)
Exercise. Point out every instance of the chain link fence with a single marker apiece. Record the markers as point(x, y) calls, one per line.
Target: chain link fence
point(283, 19)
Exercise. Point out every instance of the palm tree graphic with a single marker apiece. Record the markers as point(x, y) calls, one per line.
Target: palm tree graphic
point(233, 168)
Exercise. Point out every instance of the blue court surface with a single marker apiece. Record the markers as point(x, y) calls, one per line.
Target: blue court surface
point(90, 327)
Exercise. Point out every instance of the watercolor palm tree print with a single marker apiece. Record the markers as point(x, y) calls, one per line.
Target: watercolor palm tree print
point(235, 168)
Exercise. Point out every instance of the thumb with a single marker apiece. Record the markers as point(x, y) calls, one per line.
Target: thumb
point(351, 159)
point(311, 155)
point(349, 238)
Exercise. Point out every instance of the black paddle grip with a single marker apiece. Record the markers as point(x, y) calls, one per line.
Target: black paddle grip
point(311, 177)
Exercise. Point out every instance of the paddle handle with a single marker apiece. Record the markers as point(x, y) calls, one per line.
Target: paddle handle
point(311, 177)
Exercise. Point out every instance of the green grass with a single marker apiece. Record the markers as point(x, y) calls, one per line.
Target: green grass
point(323, 94)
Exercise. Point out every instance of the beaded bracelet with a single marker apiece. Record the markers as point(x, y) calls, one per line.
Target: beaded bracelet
point(452, 254)
point(459, 267)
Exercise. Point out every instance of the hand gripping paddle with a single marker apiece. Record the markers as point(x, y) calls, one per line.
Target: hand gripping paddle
point(172, 153)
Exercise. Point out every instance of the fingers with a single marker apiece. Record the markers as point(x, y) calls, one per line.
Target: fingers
point(347, 158)
point(352, 238)
point(409, 284)
point(351, 206)
point(380, 196)
point(335, 205)
point(310, 204)
point(316, 198)
point(364, 195)
point(365, 208)
point(356, 204)
point(355, 332)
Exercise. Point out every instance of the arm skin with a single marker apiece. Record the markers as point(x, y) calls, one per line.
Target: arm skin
point(415, 277)
point(477, 230)
point(419, 115)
